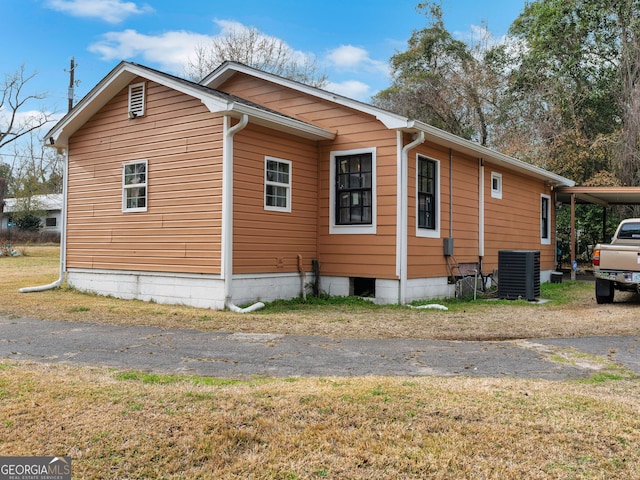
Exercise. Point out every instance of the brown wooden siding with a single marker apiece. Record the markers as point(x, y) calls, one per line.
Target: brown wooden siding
point(339, 254)
point(513, 222)
point(426, 255)
point(374, 255)
point(269, 241)
point(181, 230)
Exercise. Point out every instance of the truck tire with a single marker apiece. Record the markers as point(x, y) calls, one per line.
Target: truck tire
point(604, 291)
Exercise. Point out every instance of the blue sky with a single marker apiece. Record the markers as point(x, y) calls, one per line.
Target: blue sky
point(351, 39)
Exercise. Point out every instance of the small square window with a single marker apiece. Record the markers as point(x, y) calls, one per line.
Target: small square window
point(134, 186)
point(277, 184)
point(496, 185)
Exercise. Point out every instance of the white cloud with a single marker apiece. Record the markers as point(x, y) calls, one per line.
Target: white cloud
point(348, 57)
point(169, 50)
point(350, 88)
point(111, 11)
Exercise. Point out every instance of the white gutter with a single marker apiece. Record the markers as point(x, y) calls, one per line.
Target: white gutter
point(403, 191)
point(227, 213)
point(63, 234)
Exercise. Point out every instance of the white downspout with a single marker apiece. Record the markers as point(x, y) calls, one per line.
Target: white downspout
point(63, 233)
point(403, 187)
point(227, 214)
point(481, 209)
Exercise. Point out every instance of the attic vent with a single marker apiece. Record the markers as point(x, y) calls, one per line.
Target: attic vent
point(136, 100)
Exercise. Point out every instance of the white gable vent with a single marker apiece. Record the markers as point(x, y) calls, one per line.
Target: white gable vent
point(136, 100)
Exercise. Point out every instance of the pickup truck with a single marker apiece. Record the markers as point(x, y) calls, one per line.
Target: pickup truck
point(616, 266)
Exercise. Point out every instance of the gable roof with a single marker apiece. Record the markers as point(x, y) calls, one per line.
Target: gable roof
point(125, 72)
point(392, 121)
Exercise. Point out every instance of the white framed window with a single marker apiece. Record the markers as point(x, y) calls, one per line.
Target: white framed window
point(353, 191)
point(134, 186)
point(545, 219)
point(427, 197)
point(277, 184)
point(496, 185)
point(136, 100)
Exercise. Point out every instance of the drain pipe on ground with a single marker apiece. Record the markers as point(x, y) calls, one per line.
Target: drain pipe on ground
point(63, 235)
point(227, 214)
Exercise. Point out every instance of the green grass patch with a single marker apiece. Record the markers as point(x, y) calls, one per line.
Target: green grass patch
point(613, 375)
point(558, 293)
point(563, 293)
point(79, 309)
point(311, 302)
point(158, 379)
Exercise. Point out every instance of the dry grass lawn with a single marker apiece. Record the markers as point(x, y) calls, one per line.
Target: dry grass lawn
point(118, 425)
point(130, 425)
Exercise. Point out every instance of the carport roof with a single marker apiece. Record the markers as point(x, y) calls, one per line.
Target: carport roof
point(600, 195)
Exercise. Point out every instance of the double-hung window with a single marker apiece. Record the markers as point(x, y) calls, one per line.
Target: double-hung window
point(353, 206)
point(134, 186)
point(277, 184)
point(545, 219)
point(428, 197)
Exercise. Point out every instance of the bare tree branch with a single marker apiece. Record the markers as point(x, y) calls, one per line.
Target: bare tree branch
point(14, 121)
point(255, 49)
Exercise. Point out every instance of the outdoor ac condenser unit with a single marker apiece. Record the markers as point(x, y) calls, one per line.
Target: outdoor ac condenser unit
point(519, 274)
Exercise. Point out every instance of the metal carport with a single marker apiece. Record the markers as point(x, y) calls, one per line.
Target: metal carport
point(604, 196)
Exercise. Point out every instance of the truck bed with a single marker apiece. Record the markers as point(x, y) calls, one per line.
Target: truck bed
point(620, 258)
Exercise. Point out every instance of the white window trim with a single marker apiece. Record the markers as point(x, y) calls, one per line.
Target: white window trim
point(429, 232)
point(545, 241)
point(496, 192)
point(277, 184)
point(132, 111)
point(125, 187)
point(352, 229)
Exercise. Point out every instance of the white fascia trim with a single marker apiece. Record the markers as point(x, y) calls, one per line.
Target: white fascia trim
point(267, 119)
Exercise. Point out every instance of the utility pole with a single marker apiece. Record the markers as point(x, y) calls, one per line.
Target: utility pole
point(72, 82)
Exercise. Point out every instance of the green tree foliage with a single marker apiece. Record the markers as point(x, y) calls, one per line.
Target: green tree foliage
point(27, 221)
point(566, 76)
point(444, 81)
point(563, 92)
point(582, 64)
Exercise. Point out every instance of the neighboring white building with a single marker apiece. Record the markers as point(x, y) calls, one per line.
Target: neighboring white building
point(50, 204)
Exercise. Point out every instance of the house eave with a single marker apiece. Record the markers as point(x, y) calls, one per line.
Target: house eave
point(449, 140)
point(228, 69)
point(392, 121)
point(268, 119)
point(124, 73)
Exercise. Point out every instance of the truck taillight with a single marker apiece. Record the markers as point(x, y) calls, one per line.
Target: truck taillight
point(596, 258)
